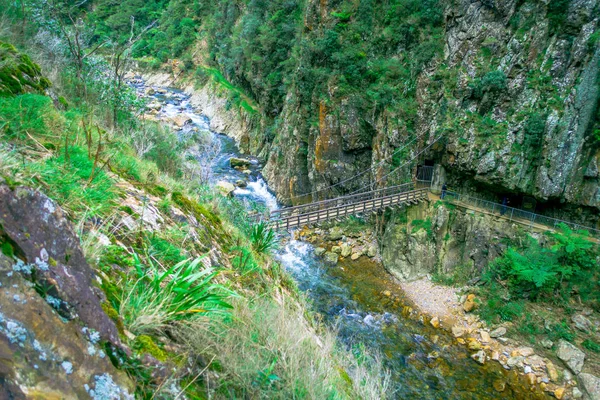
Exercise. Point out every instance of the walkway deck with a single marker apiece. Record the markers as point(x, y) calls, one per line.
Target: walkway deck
point(368, 202)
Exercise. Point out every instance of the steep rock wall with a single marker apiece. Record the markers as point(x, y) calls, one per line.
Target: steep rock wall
point(433, 238)
point(512, 95)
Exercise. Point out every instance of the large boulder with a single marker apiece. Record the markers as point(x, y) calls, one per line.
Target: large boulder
point(591, 384)
point(571, 356)
point(41, 355)
point(582, 323)
point(225, 188)
point(41, 234)
point(242, 163)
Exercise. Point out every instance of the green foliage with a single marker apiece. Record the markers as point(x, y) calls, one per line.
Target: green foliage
point(557, 14)
point(199, 211)
point(263, 238)
point(72, 183)
point(591, 345)
point(459, 275)
point(418, 224)
point(531, 272)
point(157, 298)
point(534, 129)
point(29, 115)
point(164, 250)
point(493, 82)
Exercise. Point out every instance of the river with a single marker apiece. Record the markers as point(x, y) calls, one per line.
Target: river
point(425, 363)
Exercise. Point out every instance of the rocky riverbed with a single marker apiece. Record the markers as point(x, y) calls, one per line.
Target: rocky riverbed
point(451, 311)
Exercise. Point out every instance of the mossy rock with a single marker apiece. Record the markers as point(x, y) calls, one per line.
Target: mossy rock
point(18, 74)
point(199, 211)
point(144, 344)
point(114, 315)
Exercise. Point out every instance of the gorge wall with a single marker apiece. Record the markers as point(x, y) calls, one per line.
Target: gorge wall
point(435, 238)
point(508, 88)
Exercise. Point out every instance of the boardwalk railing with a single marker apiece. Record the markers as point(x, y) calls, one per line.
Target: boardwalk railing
point(517, 214)
point(340, 207)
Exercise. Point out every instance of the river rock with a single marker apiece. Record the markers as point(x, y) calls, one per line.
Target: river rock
point(591, 384)
point(180, 120)
point(458, 331)
point(524, 351)
point(582, 323)
point(242, 163)
point(372, 251)
point(559, 393)
point(499, 385)
point(576, 393)
point(485, 336)
point(547, 343)
point(331, 258)
point(474, 345)
point(319, 251)
point(355, 256)
point(150, 91)
point(515, 361)
point(571, 356)
point(479, 357)
point(498, 332)
point(154, 106)
point(435, 322)
point(226, 188)
point(469, 304)
point(336, 249)
point(335, 233)
point(241, 183)
point(346, 250)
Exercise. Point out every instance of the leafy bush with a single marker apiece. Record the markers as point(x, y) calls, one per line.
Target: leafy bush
point(531, 272)
point(156, 299)
point(262, 237)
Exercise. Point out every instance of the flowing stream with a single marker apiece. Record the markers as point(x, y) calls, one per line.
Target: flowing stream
point(425, 363)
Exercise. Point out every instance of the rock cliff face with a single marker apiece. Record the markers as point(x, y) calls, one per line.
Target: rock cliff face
point(512, 97)
point(535, 136)
point(427, 239)
point(53, 329)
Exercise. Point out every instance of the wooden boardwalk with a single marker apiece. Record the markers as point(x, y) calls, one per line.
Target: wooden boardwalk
point(361, 203)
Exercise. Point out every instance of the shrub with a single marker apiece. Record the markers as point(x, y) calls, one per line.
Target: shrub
point(155, 299)
point(262, 237)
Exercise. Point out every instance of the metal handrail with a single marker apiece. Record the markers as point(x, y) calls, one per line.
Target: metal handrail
point(518, 214)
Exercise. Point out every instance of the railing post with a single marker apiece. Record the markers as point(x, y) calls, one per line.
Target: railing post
point(512, 210)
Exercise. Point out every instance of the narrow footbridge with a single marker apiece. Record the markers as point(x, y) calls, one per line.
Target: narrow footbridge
point(339, 207)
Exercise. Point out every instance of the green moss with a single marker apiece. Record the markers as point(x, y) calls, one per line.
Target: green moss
point(145, 344)
point(18, 74)
point(7, 249)
point(418, 224)
point(199, 211)
point(114, 316)
point(52, 262)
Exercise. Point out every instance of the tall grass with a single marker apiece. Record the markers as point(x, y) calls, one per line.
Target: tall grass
point(268, 350)
point(154, 300)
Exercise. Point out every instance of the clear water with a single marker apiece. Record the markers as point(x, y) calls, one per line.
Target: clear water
point(349, 298)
